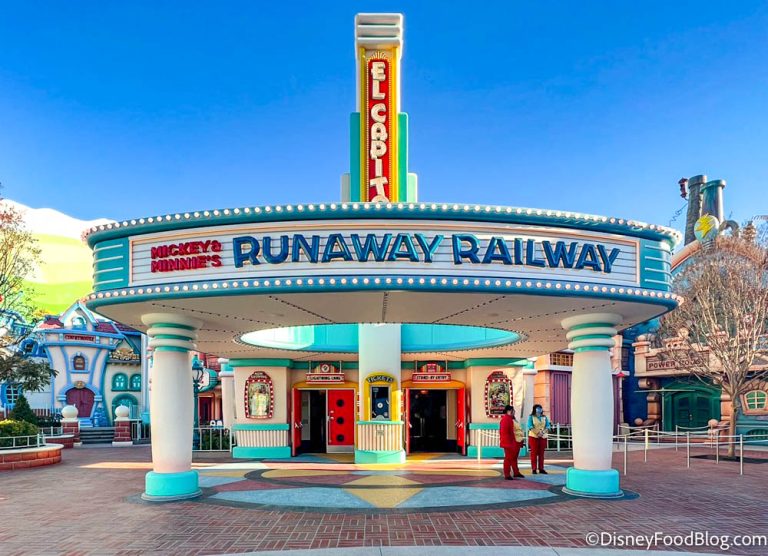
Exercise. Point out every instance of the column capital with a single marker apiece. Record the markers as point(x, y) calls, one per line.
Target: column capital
point(592, 331)
point(171, 331)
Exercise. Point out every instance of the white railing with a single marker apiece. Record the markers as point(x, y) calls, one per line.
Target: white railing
point(51, 431)
point(380, 437)
point(16, 442)
point(262, 438)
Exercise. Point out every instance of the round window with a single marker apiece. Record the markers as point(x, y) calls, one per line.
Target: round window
point(340, 420)
point(339, 403)
point(339, 438)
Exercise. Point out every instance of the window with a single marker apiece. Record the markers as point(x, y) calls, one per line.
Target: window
point(78, 362)
point(12, 393)
point(128, 401)
point(119, 382)
point(78, 323)
point(136, 382)
point(756, 399)
point(561, 359)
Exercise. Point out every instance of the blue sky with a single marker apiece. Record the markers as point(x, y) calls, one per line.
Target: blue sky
point(127, 109)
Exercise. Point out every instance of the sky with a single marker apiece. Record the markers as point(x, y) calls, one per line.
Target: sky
point(129, 109)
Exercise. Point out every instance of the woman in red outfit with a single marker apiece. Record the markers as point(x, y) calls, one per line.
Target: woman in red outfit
point(511, 440)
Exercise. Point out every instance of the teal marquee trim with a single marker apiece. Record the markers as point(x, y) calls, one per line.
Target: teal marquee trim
point(98, 235)
point(172, 348)
point(335, 283)
point(174, 325)
point(591, 348)
point(261, 427)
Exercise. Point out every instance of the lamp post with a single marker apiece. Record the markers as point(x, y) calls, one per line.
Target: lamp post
point(198, 372)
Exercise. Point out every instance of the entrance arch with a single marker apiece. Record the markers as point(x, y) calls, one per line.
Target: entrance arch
point(83, 399)
point(423, 396)
point(323, 417)
point(128, 401)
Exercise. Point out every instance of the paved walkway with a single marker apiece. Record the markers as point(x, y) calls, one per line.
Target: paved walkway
point(89, 505)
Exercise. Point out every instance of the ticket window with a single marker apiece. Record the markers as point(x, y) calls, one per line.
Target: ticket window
point(380, 410)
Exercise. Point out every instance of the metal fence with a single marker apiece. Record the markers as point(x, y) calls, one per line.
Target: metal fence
point(212, 439)
point(141, 432)
point(51, 431)
point(15, 442)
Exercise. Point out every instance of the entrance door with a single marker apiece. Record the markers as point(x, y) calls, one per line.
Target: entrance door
point(691, 409)
point(428, 420)
point(82, 399)
point(461, 421)
point(407, 418)
point(341, 420)
point(296, 421)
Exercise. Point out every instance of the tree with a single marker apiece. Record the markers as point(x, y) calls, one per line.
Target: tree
point(720, 332)
point(18, 255)
point(31, 375)
point(22, 412)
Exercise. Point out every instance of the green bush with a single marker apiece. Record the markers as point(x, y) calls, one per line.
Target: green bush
point(22, 412)
point(214, 440)
point(9, 427)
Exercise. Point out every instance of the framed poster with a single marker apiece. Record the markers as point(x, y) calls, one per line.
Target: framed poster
point(259, 396)
point(498, 394)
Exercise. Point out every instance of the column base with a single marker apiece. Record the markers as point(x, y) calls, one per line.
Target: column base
point(167, 487)
point(122, 443)
point(371, 456)
point(603, 483)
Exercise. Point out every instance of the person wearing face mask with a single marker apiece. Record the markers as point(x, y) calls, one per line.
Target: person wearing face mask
point(511, 440)
point(538, 427)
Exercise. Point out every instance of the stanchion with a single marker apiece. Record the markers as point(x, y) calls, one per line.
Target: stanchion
point(625, 454)
point(741, 452)
point(557, 426)
point(658, 435)
point(479, 445)
point(688, 448)
point(645, 454)
point(675, 438)
point(717, 446)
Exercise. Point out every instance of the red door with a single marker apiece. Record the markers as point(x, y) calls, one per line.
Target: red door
point(82, 399)
point(341, 417)
point(296, 421)
point(407, 419)
point(461, 420)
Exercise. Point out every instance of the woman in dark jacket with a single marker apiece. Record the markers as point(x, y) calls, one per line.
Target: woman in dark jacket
point(511, 440)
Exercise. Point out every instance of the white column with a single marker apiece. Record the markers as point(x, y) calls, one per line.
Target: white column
point(591, 338)
point(379, 348)
point(530, 376)
point(227, 377)
point(171, 406)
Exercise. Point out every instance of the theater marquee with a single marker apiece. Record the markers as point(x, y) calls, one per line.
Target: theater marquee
point(379, 248)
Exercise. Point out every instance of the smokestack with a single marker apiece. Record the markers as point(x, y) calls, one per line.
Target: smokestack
point(694, 206)
point(712, 203)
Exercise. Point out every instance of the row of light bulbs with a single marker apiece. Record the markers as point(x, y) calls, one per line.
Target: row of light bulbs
point(343, 281)
point(382, 206)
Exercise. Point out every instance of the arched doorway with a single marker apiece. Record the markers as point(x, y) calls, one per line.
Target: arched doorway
point(128, 401)
point(690, 406)
point(435, 416)
point(82, 399)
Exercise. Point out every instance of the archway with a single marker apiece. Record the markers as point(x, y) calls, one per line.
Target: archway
point(82, 399)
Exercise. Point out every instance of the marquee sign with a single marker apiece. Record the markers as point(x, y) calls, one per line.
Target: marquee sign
point(376, 247)
point(431, 377)
point(379, 47)
point(325, 373)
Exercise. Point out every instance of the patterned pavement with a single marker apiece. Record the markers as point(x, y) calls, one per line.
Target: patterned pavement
point(321, 483)
point(89, 505)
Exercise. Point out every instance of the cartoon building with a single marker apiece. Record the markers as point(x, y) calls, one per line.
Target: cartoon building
point(667, 392)
point(99, 363)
